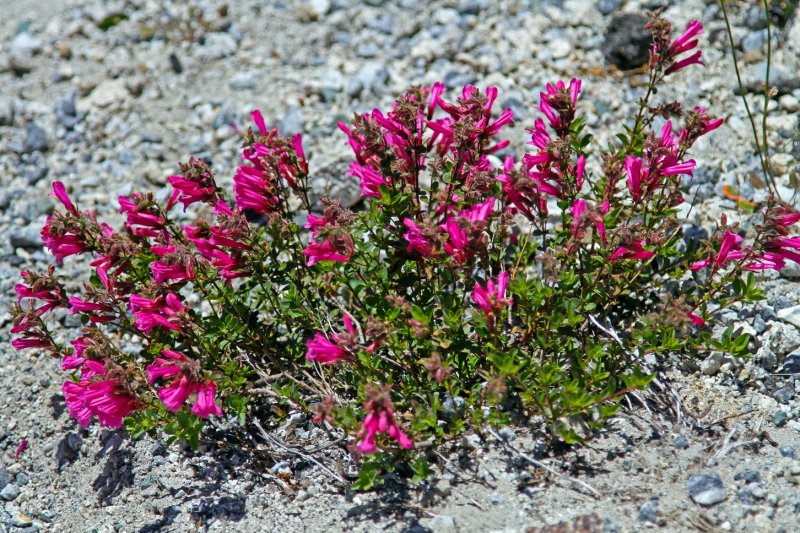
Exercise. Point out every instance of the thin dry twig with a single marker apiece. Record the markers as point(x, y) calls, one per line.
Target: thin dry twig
point(545, 467)
point(275, 441)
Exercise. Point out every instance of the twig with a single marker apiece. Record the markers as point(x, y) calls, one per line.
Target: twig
point(545, 467)
point(270, 438)
point(725, 448)
point(470, 500)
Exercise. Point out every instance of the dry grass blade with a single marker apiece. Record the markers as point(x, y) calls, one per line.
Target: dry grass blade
point(276, 442)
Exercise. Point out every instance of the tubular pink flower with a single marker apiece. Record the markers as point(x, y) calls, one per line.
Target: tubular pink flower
point(788, 220)
point(416, 241)
point(60, 192)
point(691, 60)
point(175, 394)
point(371, 180)
point(577, 210)
point(633, 250)
point(252, 192)
point(190, 192)
point(698, 321)
point(683, 44)
point(21, 344)
point(108, 400)
point(505, 119)
point(324, 351)
point(492, 299)
point(62, 246)
point(81, 306)
point(326, 251)
point(574, 89)
point(206, 405)
point(379, 419)
point(259, 120)
point(633, 167)
point(683, 168)
point(580, 166)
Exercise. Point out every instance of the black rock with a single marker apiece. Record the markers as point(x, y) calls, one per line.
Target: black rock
point(606, 7)
point(626, 43)
point(36, 139)
point(750, 476)
point(791, 365)
point(648, 511)
point(151, 138)
point(784, 395)
point(175, 64)
point(707, 488)
point(158, 449)
point(788, 451)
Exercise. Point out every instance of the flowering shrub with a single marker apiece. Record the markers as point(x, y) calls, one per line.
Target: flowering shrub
point(468, 291)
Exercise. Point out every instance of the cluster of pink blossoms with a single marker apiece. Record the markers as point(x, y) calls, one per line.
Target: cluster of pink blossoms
point(186, 382)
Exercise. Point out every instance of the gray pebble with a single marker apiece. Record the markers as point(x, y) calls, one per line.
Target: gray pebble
point(707, 488)
point(36, 139)
point(788, 451)
point(28, 237)
point(6, 112)
point(784, 395)
point(10, 492)
point(5, 479)
point(243, 80)
point(606, 7)
point(22, 479)
point(292, 122)
point(647, 513)
point(681, 442)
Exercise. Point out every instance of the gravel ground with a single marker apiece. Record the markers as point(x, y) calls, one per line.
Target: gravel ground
point(113, 111)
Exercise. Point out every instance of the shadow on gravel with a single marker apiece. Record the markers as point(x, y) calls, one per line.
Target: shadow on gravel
point(168, 517)
point(226, 508)
point(59, 405)
point(117, 472)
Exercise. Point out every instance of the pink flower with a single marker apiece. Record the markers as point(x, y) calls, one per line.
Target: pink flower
point(698, 321)
point(492, 299)
point(577, 210)
point(253, 190)
point(205, 404)
point(108, 399)
point(371, 180)
point(459, 243)
point(379, 419)
point(60, 192)
point(190, 192)
point(20, 449)
point(416, 239)
point(142, 220)
point(259, 120)
point(231, 266)
point(788, 220)
point(683, 44)
point(633, 167)
point(729, 250)
point(186, 380)
point(633, 250)
point(160, 311)
point(580, 166)
point(175, 268)
point(324, 351)
point(61, 244)
point(21, 344)
point(51, 297)
point(691, 60)
point(325, 251)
